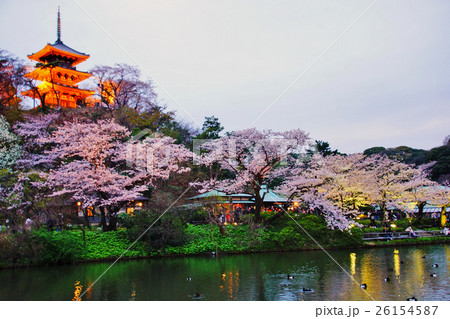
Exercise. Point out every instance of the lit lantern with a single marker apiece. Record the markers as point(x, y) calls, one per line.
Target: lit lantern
point(78, 204)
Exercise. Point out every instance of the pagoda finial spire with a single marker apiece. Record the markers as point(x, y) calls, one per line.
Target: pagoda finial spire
point(58, 30)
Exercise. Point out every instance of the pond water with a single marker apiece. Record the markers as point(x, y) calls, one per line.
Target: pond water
point(259, 276)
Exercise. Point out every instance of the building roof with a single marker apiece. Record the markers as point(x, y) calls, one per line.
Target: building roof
point(140, 198)
point(42, 74)
point(48, 87)
point(59, 48)
point(210, 194)
point(430, 209)
point(270, 196)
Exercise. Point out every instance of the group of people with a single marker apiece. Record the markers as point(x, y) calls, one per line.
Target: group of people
point(235, 215)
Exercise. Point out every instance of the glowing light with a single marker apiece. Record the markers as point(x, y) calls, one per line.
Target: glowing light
point(393, 226)
point(353, 263)
point(77, 292)
point(107, 91)
point(225, 223)
point(396, 263)
point(78, 203)
point(235, 224)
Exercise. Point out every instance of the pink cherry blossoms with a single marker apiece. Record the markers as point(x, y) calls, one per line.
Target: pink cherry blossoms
point(251, 156)
point(97, 169)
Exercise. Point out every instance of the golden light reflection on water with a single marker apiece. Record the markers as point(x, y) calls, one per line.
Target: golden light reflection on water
point(353, 263)
point(89, 290)
point(397, 264)
point(231, 281)
point(77, 292)
point(133, 292)
point(447, 253)
point(369, 270)
point(418, 264)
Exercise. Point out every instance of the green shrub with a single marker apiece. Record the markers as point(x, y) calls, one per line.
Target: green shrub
point(159, 231)
point(112, 244)
point(288, 237)
point(125, 220)
point(404, 223)
point(56, 247)
point(347, 238)
point(423, 223)
point(247, 219)
point(197, 216)
point(368, 222)
point(16, 249)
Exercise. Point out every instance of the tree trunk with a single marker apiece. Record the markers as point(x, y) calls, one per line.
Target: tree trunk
point(112, 216)
point(112, 222)
point(103, 219)
point(258, 208)
point(383, 215)
point(43, 105)
point(86, 219)
point(420, 206)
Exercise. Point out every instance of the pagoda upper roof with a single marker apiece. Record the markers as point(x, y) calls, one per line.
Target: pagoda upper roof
point(59, 48)
point(44, 74)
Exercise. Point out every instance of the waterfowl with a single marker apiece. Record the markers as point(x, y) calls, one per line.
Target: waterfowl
point(188, 278)
point(424, 256)
point(402, 262)
point(433, 275)
point(411, 299)
point(306, 289)
point(290, 277)
point(197, 295)
point(387, 279)
point(363, 286)
point(435, 266)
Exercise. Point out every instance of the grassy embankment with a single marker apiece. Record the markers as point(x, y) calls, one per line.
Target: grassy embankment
point(43, 247)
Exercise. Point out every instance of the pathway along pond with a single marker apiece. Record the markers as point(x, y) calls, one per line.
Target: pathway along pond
point(260, 276)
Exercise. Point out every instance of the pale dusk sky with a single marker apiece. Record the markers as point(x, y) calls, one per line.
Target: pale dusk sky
point(357, 73)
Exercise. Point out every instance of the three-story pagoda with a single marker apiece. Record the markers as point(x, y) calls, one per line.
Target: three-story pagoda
point(57, 74)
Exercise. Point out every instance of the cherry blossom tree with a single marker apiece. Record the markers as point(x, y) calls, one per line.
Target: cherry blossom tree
point(22, 195)
point(121, 85)
point(19, 198)
point(339, 185)
point(9, 147)
point(102, 167)
point(440, 196)
point(330, 186)
point(32, 133)
point(420, 189)
point(251, 157)
point(388, 183)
